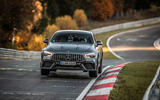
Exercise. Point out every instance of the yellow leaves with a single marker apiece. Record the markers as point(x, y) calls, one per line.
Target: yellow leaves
point(36, 42)
point(66, 22)
point(80, 17)
point(50, 30)
point(37, 11)
point(17, 39)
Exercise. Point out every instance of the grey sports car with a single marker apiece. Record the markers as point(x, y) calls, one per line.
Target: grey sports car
point(72, 49)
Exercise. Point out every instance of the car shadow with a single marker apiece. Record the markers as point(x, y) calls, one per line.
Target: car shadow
point(67, 75)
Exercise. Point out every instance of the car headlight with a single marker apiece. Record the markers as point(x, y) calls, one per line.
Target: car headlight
point(90, 55)
point(47, 55)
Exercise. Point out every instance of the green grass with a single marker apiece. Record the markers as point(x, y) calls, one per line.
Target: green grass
point(104, 36)
point(133, 80)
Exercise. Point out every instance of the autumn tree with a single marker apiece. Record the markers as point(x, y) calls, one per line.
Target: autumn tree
point(52, 9)
point(50, 30)
point(118, 7)
point(80, 17)
point(66, 22)
point(102, 9)
point(18, 15)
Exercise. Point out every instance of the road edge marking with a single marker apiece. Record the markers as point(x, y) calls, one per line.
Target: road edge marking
point(90, 84)
point(157, 44)
point(126, 32)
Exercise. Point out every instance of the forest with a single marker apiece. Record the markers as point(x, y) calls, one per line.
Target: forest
point(25, 23)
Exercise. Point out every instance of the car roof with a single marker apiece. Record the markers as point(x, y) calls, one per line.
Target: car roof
point(74, 31)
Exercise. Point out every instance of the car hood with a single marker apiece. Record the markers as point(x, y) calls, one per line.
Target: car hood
point(70, 48)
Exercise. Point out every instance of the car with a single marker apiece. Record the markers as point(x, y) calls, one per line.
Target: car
point(72, 50)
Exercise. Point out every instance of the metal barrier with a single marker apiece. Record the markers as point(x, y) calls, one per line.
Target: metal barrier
point(11, 53)
point(126, 25)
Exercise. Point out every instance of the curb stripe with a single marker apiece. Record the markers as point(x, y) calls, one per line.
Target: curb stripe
point(113, 71)
point(111, 76)
point(103, 86)
point(102, 91)
point(120, 66)
point(110, 80)
point(99, 97)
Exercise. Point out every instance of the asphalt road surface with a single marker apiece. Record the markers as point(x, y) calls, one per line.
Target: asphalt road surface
point(137, 45)
point(21, 79)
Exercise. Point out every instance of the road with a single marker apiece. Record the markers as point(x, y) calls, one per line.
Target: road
point(137, 45)
point(21, 79)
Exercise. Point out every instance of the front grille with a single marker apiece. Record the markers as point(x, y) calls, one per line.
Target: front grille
point(68, 57)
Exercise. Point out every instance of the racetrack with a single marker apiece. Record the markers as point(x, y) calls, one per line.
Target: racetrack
point(21, 79)
point(137, 44)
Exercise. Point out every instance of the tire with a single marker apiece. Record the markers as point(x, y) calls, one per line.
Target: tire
point(100, 67)
point(44, 72)
point(93, 74)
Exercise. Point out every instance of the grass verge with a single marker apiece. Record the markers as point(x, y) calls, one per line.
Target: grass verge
point(104, 36)
point(133, 80)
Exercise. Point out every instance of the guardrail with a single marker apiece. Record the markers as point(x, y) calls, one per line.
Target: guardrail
point(11, 53)
point(153, 92)
point(126, 25)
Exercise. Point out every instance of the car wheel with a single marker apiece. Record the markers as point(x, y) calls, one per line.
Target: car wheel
point(100, 67)
point(44, 72)
point(93, 73)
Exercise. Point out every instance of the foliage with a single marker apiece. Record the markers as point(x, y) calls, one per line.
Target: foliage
point(102, 9)
point(66, 22)
point(80, 17)
point(19, 14)
point(50, 30)
point(52, 9)
point(21, 39)
point(36, 43)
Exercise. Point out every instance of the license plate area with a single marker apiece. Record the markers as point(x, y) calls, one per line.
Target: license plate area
point(67, 63)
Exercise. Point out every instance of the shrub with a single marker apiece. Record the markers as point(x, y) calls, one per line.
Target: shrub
point(36, 42)
point(50, 30)
point(66, 22)
point(21, 39)
point(80, 17)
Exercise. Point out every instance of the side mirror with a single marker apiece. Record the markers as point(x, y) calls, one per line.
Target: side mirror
point(99, 42)
point(45, 41)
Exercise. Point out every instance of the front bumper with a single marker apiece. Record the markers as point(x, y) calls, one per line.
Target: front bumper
point(87, 65)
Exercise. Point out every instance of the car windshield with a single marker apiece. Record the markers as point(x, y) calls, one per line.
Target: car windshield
point(72, 37)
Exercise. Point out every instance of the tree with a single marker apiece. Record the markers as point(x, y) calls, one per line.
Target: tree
point(52, 10)
point(66, 22)
point(118, 7)
point(80, 17)
point(19, 15)
point(102, 9)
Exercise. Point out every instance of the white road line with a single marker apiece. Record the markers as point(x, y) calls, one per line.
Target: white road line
point(102, 91)
point(110, 80)
point(29, 93)
point(126, 32)
point(157, 44)
point(87, 88)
